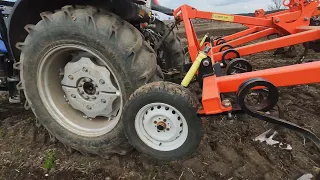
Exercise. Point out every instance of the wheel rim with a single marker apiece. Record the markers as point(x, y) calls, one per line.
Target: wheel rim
point(62, 98)
point(161, 126)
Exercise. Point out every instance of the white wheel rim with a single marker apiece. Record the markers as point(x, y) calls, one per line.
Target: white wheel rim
point(152, 118)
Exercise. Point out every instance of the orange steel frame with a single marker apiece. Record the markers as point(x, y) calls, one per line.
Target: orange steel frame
point(291, 23)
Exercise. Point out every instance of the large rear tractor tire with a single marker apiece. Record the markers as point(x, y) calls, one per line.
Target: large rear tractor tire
point(78, 68)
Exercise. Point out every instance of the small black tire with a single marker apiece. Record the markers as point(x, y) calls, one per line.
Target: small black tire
point(168, 94)
point(117, 42)
point(225, 47)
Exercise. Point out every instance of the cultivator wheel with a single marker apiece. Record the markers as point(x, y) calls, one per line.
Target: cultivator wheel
point(160, 120)
point(79, 77)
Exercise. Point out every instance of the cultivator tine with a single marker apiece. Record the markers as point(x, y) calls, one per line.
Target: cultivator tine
point(250, 84)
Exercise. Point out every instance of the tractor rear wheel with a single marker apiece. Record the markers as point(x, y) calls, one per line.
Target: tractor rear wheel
point(78, 68)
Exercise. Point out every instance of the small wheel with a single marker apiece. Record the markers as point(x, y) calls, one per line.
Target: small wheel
point(160, 120)
point(238, 66)
point(224, 57)
point(220, 41)
point(225, 47)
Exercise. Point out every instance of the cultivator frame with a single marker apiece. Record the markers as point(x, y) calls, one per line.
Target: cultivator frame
point(292, 26)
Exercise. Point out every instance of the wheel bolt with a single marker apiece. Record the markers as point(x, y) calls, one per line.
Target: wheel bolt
point(81, 92)
point(164, 120)
point(89, 107)
point(102, 81)
point(103, 101)
point(70, 77)
point(226, 103)
point(84, 69)
point(155, 122)
point(97, 93)
point(73, 96)
point(87, 97)
point(94, 97)
point(168, 129)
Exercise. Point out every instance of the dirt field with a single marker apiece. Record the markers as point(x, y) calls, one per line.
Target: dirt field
point(227, 151)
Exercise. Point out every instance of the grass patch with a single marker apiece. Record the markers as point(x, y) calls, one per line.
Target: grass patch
point(49, 162)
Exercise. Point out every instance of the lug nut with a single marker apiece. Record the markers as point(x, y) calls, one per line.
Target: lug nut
point(89, 107)
point(84, 69)
point(87, 97)
point(103, 101)
point(168, 129)
point(277, 20)
point(102, 81)
point(155, 122)
point(81, 92)
point(70, 77)
point(97, 93)
point(73, 96)
point(226, 103)
point(306, 18)
point(94, 97)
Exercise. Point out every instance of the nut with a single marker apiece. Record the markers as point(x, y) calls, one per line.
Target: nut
point(73, 96)
point(84, 69)
point(103, 101)
point(70, 77)
point(89, 107)
point(205, 63)
point(102, 81)
point(226, 103)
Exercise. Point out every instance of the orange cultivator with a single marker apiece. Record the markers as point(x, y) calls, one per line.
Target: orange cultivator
point(168, 109)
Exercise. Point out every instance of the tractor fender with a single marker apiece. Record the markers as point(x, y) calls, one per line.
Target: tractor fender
point(28, 12)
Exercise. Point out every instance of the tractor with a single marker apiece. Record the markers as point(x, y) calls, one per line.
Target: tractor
point(75, 63)
point(100, 76)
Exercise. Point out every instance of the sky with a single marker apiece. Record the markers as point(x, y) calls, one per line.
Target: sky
point(223, 6)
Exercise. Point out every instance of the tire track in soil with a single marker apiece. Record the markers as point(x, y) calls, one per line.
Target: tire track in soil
point(227, 150)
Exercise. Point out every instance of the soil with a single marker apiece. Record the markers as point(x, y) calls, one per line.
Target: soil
point(227, 151)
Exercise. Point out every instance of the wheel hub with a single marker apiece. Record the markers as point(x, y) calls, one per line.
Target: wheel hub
point(89, 88)
point(161, 126)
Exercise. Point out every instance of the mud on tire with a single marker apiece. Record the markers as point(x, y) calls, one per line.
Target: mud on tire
point(117, 42)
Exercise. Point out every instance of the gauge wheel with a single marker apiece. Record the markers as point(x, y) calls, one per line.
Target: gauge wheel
point(161, 121)
point(78, 68)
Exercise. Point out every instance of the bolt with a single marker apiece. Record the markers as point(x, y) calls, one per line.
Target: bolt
point(90, 80)
point(96, 85)
point(97, 93)
point(277, 20)
point(70, 77)
point(164, 120)
point(205, 63)
point(226, 103)
point(102, 81)
point(89, 107)
point(94, 97)
point(306, 19)
point(168, 129)
point(81, 92)
point(87, 97)
point(103, 101)
point(73, 96)
point(155, 122)
point(84, 69)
